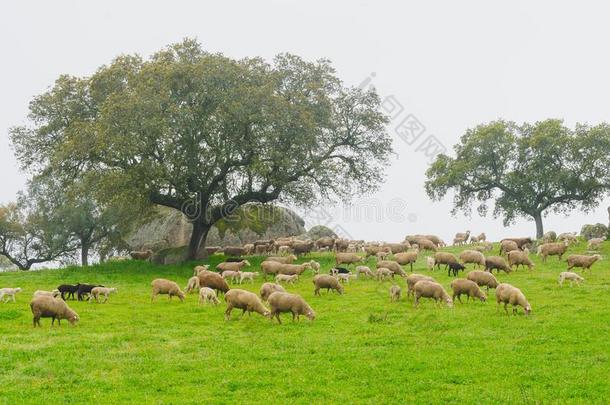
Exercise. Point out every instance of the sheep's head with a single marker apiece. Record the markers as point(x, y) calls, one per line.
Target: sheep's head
point(449, 301)
point(73, 318)
point(292, 257)
point(482, 296)
point(597, 257)
point(310, 314)
point(246, 263)
point(527, 309)
point(18, 289)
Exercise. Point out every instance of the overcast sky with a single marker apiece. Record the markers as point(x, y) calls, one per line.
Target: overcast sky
point(449, 65)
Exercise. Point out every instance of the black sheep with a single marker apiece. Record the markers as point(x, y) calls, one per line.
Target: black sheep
point(85, 289)
point(455, 268)
point(340, 270)
point(67, 290)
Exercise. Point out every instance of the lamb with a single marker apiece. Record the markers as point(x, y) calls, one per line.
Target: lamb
point(269, 288)
point(348, 258)
point(315, 266)
point(383, 273)
point(393, 266)
point(582, 261)
point(497, 263)
point(517, 257)
point(281, 302)
point(85, 289)
point(571, 277)
point(338, 270)
point(473, 257)
point(461, 238)
point(412, 279)
point(199, 269)
point(507, 294)
point(67, 290)
point(430, 262)
point(394, 293)
point(431, 289)
point(481, 238)
point(507, 246)
point(247, 275)
point(468, 287)
point(230, 274)
point(595, 243)
point(444, 258)
point(364, 270)
point(552, 249)
point(54, 293)
point(290, 279)
point(97, 292)
point(246, 301)
point(382, 255)
point(483, 278)
point(141, 255)
point(455, 268)
point(328, 282)
point(233, 266)
point(213, 281)
point(192, 285)
point(44, 306)
point(163, 286)
point(282, 259)
point(206, 295)
point(407, 258)
point(8, 293)
point(345, 277)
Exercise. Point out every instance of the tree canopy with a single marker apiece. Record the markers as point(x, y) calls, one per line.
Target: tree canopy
point(525, 170)
point(205, 134)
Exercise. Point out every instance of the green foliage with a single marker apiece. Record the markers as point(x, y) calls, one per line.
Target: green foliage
point(526, 171)
point(590, 231)
point(372, 350)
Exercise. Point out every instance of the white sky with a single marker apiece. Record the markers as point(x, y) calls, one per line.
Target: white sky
point(450, 64)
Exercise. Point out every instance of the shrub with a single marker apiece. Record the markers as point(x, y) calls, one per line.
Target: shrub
point(594, 231)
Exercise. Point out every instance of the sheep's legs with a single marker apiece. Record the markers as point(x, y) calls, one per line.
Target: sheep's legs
point(228, 311)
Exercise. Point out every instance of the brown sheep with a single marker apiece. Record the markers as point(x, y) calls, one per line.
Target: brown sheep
point(398, 247)
point(292, 269)
point(393, 266)
point(348, 258)
point(269, 288)
point(444, 258)
point(425, 244)
point(44, 306)
point(431, 289)
point(246, 301)
point(521, 242)
point(508, 245)
point(406, 258)
point(483, 278)
point(582, 261)
point(468, 287)
point(552, 249)
point(232, 266)
point(163, 286)
point(507, 294)
point(142, 255)
point(328, 282)
point(412, 279)
point(472, 256)
point(497, 263)
point(282, 259)
point(285, 302)
point(192, 285)
point(325, 242)
point(234, 251)
point(372, 250)
point(518, 257)
point(302, 247)
point(394, 293)
point(199, 269)
point(213, 281)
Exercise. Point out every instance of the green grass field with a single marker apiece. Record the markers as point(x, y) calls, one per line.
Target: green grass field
point(360, 349)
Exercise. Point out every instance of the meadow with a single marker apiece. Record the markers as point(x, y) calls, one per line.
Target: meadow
point(361, 348)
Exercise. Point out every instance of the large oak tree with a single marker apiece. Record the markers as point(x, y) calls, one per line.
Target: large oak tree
point(525, 170)
point(205, 134)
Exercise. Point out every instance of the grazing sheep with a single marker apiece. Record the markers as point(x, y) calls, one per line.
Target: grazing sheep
point(85, 289)
point(282, 259)
point(325, 242)
point(518, 257)
point(398, 247)
point(444, 258)
point(383, 273)
point(507, 246)
point(345, 277)
point(213, 281)
point(455, 268)
point(246, 301)
point(7, 293)
point(348, 258)
point(468, 287)
point(53, 293)
point(269, 288)
point(552, 249)
point(44, 306)
point(394, 293)
point(406, 258)
point(507, 294)
point(328, 282)
point(412, 279)
point(382, 255)
point(595, 243)
point(473, 257)
point(97, 292)
point(521, 242)
point(461, 238)
point(430, 262)
point(163, 286)
point(67, 290)
point(483, 278)
point(315, 266)
point(233, 251)
point(210, 250)
point(290, 279)
point(302, 248)
point(230, 274)
point(431, 289)
point(192, 285)
point(247, 275)
point(207, 295)
point(364, 270)
point(393, 266)
point(372, 250)
point(582, 261)
point(425, 244)
point(571, 277)
point(282, 302)
point(199, 269)
point(291, 269)
point(497, 263)
point(233, 266)
point(143, 255)
point(338, 270)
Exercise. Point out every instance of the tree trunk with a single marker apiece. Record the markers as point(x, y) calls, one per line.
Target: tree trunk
point(198, 237)
point(539, 226)
point(84, 254)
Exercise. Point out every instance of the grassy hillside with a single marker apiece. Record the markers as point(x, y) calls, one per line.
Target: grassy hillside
point(361, 348)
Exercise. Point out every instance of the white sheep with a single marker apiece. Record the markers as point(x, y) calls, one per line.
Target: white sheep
point(364, 270)
point(345, 277)
point(192, 285)
point(53, 293)
point(571, 277)
point(430, 262)
point(289, 279)
point(231, 274)
point(247, 275)
point(7, 293)
point(97, 292)
point(206, 295)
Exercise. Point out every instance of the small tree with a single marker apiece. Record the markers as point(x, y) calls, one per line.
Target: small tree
point(525, 170)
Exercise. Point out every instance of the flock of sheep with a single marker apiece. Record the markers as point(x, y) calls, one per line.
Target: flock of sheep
point(390, 259)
